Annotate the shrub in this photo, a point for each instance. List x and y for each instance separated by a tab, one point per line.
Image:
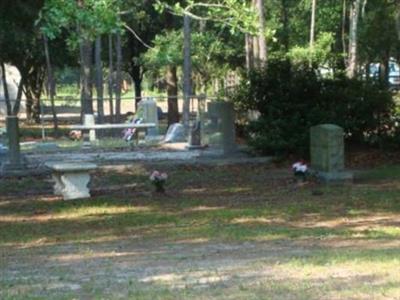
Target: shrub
291	99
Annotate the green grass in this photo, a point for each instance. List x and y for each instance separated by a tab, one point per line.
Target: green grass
341	244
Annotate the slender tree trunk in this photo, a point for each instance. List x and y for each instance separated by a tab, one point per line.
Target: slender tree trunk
384	68
137	77
344	31
50	84
312	26
285	23
187	72
398	19
33	90
118	78
262	42
256	51
110	77
99	81
5	89
353	35
172	92
86	62
249	52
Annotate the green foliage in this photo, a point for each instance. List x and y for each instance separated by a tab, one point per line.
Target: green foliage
93	18
238	15
319	54
209	53
292	98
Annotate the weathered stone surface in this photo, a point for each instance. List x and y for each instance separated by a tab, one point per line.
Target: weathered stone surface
89	120
327	148
226	113
327	152
175	134
13	78
148	111
195	135
71	179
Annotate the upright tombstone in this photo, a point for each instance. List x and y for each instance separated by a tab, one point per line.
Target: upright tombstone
147	110
227	116
327	153
89	120
175	134
196	130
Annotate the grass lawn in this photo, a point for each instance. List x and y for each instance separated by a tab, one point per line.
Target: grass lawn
237	232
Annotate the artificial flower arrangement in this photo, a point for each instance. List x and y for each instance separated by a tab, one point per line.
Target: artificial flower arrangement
300	169
159	179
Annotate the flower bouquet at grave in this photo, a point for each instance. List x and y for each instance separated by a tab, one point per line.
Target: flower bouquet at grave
300	170
159	179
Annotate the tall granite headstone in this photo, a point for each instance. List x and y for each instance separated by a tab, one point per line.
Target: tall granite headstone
147	110
327	152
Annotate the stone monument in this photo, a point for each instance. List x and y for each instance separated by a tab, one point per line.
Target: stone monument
13	78
147	110
327	153
175	134
196	133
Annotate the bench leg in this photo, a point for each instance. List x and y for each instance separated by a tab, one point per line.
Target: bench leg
75	185
58	184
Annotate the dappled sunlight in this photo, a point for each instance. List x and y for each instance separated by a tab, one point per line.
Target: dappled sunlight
74	213
257	220
194	190
90	254
193	241
204	208
183	279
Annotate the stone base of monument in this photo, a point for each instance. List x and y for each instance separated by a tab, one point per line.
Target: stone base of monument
336	177
71	179
46	146
196	147
8	168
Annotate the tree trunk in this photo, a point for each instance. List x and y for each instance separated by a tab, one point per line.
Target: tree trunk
50	84
118	78
262	42
285	23
398	19
384	69
172	91
33	91
249	52
256	51
353	34
312	26
344	31
99	81
137	77
187	72
86	63
5	89
110	77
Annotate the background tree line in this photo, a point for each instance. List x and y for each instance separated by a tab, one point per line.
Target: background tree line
144	39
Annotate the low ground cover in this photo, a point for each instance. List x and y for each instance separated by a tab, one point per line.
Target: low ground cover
228	232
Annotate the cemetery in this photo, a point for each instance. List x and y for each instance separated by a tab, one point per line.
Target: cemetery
144	154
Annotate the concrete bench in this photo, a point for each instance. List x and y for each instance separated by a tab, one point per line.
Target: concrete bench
93	127
71	179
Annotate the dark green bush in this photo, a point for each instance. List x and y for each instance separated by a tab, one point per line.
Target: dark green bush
292	99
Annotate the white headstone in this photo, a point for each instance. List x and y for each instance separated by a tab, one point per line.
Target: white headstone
147	110
175	134
13	78
89	120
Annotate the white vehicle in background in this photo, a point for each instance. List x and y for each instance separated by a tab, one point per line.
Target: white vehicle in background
394	73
